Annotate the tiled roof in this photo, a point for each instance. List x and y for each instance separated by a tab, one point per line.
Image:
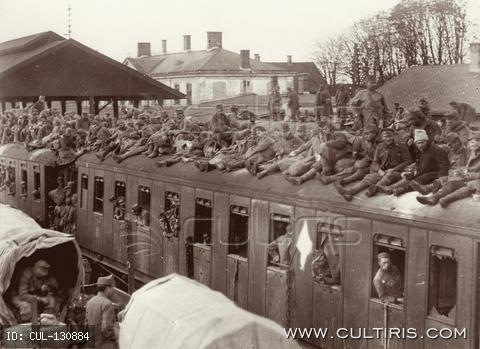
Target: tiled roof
439	85
217	60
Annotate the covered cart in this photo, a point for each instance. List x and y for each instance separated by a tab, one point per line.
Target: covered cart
22	243
177	312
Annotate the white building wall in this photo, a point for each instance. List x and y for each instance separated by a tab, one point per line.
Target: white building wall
205	88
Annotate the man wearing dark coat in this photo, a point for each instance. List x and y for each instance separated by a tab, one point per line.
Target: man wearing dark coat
100	313
388	280
323	102
293	103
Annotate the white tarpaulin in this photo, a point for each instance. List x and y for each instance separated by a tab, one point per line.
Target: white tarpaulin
21	236
175	312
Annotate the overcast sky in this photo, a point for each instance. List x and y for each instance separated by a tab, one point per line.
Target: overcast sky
272	28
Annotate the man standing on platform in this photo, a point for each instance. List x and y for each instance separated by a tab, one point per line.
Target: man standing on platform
100	313
293	104
371	104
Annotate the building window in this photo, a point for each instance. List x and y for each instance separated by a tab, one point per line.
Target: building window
326	263
442	291
238	231
98	195
388	268
203	222
144	204
280	240
177	87
119	201
170	218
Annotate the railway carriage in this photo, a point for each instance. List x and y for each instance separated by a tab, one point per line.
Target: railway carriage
31	175
216	227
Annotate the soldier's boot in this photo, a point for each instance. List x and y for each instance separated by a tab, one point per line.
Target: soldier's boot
356	176
149	150
154	153
327	169
444	191
402	190
458	194
350	192
424	189
325	179
234	164
170	162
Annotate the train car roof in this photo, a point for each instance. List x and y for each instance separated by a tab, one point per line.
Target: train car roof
18	151
457	217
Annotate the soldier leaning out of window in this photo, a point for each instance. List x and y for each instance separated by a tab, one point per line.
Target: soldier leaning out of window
388	280
280	251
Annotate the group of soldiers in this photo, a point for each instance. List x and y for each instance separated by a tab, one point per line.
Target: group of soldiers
393	153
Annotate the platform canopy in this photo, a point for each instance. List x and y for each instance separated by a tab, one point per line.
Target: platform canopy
49	65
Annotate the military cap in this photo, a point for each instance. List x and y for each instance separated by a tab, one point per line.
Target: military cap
106	280
260	128
420	135
384	255
233	107
285	127
386	129
42	264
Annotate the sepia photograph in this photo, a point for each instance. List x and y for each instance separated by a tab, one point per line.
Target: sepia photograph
252	174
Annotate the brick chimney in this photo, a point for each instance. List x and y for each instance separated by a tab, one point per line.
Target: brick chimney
214	39
245	59
475	57
187	42
257	57
289	59
143	49
164	46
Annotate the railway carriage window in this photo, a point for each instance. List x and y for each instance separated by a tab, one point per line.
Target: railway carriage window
119	201
177	87
203	222
326	263
238	231
98	195
24	182
84	191
144	204
280	249
388	268
11	179
36	183
170	218
442	291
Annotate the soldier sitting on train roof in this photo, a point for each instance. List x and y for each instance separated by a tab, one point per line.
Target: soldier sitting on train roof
301	132
363	150
460	182
465	111
139	147
282	249
431	163
389	160
261	152
388	280
220	125
283	147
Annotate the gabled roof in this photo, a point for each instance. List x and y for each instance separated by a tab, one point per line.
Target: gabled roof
54	66
216	60
28	42
438	84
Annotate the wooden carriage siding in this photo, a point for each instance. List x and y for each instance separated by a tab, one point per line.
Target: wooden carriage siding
291	298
